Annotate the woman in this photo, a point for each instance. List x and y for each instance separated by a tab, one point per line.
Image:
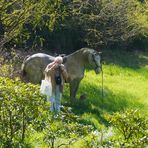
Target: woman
56	74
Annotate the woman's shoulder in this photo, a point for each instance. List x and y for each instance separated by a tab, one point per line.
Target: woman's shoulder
62	66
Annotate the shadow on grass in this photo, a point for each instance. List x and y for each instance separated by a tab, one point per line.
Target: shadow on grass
97	105
129	59
125	59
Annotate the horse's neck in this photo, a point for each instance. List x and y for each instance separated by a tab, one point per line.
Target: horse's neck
80	57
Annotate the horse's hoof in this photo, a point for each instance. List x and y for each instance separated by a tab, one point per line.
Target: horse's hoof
83	97
73	101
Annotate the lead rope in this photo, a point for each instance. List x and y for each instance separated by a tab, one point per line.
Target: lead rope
102	81
102	91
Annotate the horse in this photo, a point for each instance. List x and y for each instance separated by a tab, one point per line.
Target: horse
33	67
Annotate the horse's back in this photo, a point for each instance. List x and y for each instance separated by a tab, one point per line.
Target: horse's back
33	67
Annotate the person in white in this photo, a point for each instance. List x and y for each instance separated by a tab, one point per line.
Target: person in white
56	75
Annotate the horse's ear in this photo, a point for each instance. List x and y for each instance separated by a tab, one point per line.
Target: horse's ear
64	59
98	50
62	55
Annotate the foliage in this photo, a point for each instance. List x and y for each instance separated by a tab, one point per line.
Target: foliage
112	22
10	64
67	24
22	18
66	125
131	128
21	105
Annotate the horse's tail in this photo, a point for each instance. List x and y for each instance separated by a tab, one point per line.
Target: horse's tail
23	72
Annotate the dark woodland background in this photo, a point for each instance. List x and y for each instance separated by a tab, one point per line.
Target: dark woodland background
63	26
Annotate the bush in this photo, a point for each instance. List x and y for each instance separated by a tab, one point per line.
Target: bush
65	126
131	128
21	105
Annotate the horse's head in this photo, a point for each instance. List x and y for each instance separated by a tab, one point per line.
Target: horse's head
95	61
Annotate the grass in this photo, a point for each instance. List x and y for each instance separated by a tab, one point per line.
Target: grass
125	86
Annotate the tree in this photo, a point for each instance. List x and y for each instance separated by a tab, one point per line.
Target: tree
71	24
23	20
111	22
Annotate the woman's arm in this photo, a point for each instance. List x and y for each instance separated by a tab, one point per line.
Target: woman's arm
64	72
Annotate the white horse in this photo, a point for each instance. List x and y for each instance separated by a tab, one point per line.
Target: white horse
33	67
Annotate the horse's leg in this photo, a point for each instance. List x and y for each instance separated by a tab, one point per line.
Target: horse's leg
74	85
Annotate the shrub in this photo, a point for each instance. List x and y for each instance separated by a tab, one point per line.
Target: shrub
65	126
131	128
21	105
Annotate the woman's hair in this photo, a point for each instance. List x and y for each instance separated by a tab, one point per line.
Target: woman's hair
59	60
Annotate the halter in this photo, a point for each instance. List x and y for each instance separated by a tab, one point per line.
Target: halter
96	65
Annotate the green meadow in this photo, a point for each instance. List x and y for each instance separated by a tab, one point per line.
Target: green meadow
125	86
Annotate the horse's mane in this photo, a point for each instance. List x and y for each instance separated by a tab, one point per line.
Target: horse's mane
80	51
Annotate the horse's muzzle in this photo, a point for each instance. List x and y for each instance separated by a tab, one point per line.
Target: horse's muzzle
98	70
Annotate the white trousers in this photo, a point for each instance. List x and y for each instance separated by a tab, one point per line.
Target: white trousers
55	100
